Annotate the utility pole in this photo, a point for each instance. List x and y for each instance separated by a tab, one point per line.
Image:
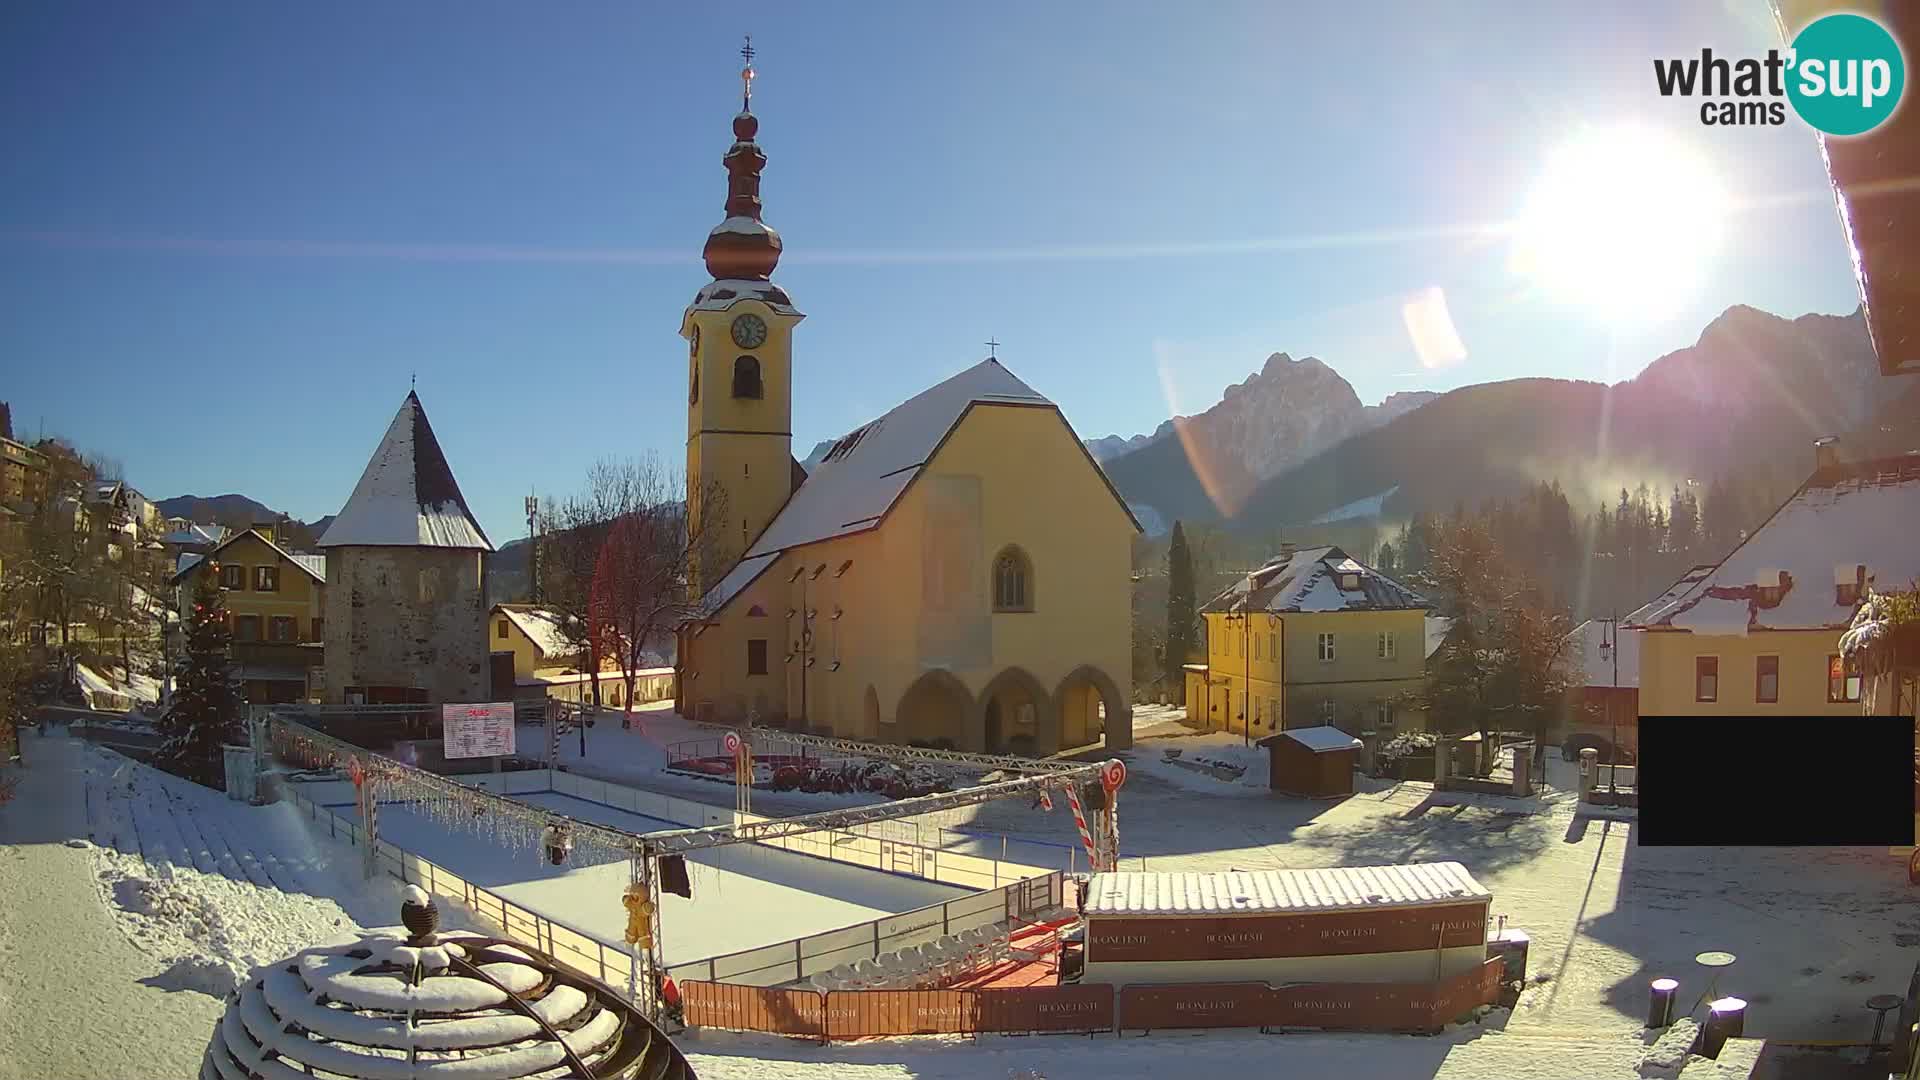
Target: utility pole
533	548
1610	647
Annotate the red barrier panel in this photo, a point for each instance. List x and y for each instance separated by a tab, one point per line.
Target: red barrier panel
753	1008
1046	1008
1332	1006
858	1014
1117	939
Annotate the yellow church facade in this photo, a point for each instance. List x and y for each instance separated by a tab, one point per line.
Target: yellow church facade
954	573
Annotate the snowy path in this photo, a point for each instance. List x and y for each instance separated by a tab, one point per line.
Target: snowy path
72	998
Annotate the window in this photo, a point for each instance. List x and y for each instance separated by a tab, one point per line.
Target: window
1706	678
1384	647
246	628
1273	646
1766	679
693	380
1326	648
1349	582
1843	681
1256	647
757	656
746	377
499	630
1383	717
319	628
1012	581
266	579
282	628
233	576
1273	711
1327	711
1256	710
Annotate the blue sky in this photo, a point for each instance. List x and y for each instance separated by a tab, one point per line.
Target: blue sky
229	233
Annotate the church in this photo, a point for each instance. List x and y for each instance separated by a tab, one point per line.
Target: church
955	573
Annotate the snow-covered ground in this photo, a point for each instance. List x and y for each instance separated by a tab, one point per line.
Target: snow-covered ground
94	934
743	896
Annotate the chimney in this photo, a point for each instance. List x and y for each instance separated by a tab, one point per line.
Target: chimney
1826	452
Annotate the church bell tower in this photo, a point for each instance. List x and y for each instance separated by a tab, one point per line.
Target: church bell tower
739	332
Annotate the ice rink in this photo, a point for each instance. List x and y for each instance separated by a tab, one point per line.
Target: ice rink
744	895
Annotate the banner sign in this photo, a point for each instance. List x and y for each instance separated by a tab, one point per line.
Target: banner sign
472	731
1250	937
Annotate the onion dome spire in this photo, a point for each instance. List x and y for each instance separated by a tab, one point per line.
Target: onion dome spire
742	246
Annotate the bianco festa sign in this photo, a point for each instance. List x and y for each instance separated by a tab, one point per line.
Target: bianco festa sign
484	730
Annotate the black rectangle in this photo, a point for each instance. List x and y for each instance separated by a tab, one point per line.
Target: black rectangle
1776	781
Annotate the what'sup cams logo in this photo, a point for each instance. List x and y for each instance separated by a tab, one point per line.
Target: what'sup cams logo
1843	75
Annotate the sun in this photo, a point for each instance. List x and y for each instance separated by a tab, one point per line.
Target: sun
1625	222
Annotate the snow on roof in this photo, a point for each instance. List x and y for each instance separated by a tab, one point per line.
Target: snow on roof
407	497
543	627
723	293
314	565
1862	514
744	226
1308	581
197	534
1437	627
1137	893
1320	740
855	485
742	575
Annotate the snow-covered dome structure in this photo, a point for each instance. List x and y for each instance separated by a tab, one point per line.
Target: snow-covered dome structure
458	1005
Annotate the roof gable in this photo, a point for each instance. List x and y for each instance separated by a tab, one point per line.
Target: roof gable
1783	576
314	566
407	497
540	626
1308	582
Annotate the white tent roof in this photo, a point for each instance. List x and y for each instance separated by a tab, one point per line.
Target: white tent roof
407	497
1139	893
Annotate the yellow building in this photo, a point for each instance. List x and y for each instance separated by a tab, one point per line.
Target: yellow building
546	663
1311	638
955	572
1760	634
274	601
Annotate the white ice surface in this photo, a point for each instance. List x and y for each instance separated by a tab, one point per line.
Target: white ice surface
744	896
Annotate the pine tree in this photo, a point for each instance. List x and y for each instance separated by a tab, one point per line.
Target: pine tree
207	698
1385	558
1180	605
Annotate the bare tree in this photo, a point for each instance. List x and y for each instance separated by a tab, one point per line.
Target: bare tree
641	575
616	564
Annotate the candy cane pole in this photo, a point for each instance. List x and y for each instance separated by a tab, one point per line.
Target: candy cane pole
1080	823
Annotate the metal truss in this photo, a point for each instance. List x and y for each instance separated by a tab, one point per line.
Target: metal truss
680	840
760	736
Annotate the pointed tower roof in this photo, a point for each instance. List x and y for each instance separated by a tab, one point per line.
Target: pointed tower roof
743	250
407	497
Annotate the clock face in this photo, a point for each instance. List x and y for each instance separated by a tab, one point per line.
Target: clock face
749	332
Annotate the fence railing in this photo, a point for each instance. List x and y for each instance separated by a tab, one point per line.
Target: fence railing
1094	1007
802	958
767	965
570	945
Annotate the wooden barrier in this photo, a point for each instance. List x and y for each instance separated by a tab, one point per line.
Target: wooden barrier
754	1008
1330	1006
1045	1009
858	1014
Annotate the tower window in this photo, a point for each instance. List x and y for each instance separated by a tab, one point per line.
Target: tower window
693	382
746	377
1012	581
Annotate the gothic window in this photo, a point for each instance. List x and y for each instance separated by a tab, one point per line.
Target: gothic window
693	381
1012	581
746	377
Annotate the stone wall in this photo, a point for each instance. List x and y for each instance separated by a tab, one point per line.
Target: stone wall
400	616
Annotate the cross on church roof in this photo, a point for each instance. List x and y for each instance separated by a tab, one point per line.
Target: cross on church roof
992	346
746	76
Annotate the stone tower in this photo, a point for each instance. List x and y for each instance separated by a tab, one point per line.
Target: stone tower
406	608
739	331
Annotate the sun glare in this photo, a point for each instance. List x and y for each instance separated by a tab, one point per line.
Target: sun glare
1625	222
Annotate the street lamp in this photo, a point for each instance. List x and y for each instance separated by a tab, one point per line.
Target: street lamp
1610	650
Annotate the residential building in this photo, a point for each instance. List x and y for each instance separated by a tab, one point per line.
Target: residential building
1606	662
275	602
184	536
406	617
1759	633
1313	637
955	572
23	473
547	663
